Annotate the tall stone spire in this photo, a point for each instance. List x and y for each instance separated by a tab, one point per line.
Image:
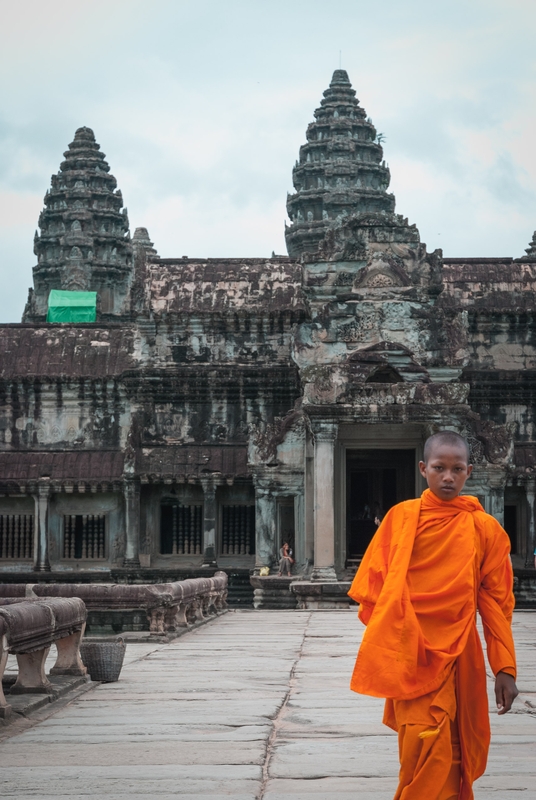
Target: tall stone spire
530	250
340	170
84	244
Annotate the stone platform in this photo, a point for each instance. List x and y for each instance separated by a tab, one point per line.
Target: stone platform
255	705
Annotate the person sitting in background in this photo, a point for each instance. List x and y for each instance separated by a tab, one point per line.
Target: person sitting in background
285	560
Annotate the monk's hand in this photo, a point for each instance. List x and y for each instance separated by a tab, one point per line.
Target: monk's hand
505	691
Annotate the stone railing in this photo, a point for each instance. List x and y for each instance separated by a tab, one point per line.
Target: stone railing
169	607
28	628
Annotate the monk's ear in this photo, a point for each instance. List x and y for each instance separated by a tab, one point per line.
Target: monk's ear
422	468
469	469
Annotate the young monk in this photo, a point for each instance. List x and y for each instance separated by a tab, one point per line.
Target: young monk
431	564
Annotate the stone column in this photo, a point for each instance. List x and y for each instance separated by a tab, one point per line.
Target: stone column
41	562
497	503
131	490
209	522
265	528
325	435
309	503
531	538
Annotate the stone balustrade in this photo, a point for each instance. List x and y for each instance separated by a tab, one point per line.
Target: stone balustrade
28	628
169	607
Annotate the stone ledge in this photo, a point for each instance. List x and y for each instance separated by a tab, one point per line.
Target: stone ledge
320	595
23	705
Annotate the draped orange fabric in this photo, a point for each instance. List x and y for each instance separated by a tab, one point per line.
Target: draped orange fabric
431	564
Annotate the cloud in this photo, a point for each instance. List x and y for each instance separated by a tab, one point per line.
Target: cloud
201	108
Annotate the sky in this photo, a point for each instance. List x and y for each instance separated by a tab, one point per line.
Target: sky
201	107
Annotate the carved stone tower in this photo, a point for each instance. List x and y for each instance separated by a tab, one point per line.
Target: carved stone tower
340	170
530	250
85	242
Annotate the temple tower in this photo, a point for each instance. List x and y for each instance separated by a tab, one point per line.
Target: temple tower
84	244
340	170
530	250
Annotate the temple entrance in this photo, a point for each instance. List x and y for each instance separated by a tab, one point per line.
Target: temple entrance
376	480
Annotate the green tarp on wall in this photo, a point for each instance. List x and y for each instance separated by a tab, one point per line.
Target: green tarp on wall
72	306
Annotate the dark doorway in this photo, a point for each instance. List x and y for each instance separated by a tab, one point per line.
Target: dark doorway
510	526
376	480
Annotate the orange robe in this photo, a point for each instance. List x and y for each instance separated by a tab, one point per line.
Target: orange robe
431	564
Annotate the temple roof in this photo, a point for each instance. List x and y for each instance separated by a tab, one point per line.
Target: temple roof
340	169
73	350
222	285
81	465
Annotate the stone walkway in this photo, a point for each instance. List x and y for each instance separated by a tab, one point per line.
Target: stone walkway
253	706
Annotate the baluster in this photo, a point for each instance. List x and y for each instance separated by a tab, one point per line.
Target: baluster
180	548
102	535
21	548
192	548
198	529
72	536
10	536
84	535
243	510
174	529
17	542
188	536
246	530
3	535
197	542
89	542
25	535
91	545
235	531
67	536
187	526
93	535
31	537
224	530
251	530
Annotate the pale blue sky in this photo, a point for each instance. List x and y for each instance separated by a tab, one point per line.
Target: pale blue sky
201	108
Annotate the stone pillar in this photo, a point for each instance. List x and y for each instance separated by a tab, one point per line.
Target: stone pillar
325	435
531	538
41	562
309	503
497	503
131	490
265	528
209	522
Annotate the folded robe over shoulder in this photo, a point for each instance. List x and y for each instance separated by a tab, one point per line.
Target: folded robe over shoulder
431	564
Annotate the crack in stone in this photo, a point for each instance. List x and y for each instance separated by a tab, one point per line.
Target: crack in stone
276	722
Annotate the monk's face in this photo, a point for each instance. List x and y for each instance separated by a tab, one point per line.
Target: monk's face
446	470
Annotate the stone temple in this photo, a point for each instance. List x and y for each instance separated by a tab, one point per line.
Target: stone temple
218	407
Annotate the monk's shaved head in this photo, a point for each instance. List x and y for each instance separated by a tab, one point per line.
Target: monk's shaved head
445	438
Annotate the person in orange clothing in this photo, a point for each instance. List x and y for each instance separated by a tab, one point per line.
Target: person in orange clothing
431	565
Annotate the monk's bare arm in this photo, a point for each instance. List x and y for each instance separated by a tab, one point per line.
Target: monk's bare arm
505	691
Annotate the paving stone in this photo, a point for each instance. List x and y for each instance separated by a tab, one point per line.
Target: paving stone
195	719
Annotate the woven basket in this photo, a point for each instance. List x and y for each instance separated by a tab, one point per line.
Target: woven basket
103	659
